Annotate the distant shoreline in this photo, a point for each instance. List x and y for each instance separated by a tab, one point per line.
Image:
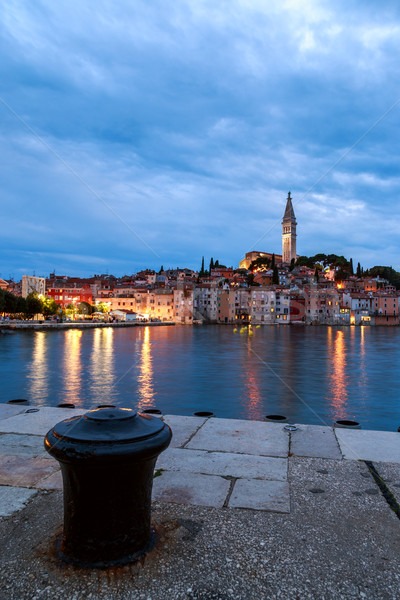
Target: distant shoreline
12	326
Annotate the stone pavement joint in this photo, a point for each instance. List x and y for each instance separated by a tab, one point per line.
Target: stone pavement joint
13	499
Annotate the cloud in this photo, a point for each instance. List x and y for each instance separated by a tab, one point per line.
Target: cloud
191	122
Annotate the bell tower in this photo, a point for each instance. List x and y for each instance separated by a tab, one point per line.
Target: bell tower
289	232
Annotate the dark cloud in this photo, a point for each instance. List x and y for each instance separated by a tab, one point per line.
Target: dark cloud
182	127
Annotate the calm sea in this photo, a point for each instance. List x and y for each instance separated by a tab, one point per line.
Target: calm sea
310	374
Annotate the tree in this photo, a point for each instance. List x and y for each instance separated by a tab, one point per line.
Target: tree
211	264
275	275
202	272
291	266
358	270
8	302
84	308
316	274
250	280
341	275
49	307
34	305
273	261
261	263
161	269
351	267
102	307
386	273
20	307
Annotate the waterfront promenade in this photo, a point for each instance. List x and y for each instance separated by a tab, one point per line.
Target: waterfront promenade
9	326
242	509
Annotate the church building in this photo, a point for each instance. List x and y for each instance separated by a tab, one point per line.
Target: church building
288	233
288	241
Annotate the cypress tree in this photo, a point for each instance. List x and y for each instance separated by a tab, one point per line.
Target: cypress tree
316	275
201	273
275	276
351	267
358	270
211	264
273	262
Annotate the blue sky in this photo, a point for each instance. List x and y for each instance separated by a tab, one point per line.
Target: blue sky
141	133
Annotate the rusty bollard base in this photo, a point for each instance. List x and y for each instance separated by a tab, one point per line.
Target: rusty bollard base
107	459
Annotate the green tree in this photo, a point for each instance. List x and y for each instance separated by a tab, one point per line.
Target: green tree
102	307
351	267
273	261
34	305
386	273
341	275
261	263
358	273
275	275
202	272
20	307
250	280
49	307
291	266
316	274
211	264
8	302
84	308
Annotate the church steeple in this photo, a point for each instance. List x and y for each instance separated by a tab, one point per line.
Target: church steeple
289	232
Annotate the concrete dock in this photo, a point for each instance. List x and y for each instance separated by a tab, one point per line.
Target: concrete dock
241	509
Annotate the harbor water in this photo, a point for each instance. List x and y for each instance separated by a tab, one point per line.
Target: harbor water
309	374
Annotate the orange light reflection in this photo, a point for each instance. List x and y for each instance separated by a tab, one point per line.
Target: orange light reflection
145	377
38	370
72	367
338	378
254	403
102	364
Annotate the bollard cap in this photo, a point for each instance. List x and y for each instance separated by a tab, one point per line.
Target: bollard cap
109	433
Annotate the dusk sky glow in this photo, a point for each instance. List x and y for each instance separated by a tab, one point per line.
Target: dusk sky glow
140	134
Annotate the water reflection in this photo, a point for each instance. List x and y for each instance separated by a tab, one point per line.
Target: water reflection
145	377
251	380
362	381
337	376
102	368
38	371
72	367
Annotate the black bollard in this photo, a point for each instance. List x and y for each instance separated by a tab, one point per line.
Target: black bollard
276	418
107	459
347	424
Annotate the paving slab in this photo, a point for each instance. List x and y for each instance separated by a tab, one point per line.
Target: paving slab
53	482
191	488
380	446
182	428
272	496
242	437
223	463
22	445
38	423
10	410
25	472
315	441
13	499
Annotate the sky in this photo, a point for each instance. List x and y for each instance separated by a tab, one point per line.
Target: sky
145	134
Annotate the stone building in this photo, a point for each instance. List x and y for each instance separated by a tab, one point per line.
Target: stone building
289	233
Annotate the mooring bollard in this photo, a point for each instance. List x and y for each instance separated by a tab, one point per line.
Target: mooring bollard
347	424
275	418
107	459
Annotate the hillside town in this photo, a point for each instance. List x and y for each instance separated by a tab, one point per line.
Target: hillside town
264	289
